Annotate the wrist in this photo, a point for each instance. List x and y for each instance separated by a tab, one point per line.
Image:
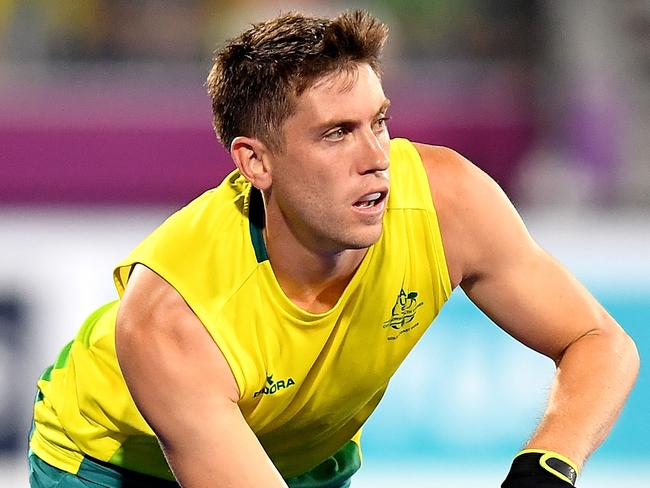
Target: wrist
541	468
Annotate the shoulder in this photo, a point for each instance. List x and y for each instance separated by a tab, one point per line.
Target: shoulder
451	176
156	328
473	211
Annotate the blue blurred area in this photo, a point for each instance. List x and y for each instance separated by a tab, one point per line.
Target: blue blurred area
469	391
630	439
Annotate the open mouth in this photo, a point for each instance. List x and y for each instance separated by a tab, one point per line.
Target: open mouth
370	200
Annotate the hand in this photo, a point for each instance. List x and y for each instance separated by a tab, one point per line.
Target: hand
536	468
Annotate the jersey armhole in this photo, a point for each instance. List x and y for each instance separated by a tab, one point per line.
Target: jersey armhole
123	272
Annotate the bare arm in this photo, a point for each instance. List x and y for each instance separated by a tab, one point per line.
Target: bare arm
184	388
535	300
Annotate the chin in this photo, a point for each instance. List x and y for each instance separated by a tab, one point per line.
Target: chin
366	239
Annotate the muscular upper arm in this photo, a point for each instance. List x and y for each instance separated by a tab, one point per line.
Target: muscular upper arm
502	270
183	386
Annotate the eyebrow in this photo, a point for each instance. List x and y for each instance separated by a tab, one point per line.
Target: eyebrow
384	106
347	122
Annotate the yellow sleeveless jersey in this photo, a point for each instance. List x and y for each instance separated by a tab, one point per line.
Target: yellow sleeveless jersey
307	381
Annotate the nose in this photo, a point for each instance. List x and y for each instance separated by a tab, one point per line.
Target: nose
376	152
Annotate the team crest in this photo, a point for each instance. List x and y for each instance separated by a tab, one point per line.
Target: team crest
403	312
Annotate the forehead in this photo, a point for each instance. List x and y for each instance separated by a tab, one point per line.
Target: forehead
343	94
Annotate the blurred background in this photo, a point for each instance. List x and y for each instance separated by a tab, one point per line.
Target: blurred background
105	129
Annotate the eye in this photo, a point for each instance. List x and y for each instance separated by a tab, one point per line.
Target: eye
335	135
381	123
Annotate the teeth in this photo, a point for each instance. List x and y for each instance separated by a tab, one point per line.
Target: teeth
372	196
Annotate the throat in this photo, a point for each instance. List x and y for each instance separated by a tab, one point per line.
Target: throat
312	283
318	302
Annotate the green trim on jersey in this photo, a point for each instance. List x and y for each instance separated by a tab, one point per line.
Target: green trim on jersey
256	225
334	472
83	337
140	453
89	325
60	363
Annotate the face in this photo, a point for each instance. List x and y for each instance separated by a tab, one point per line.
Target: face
330	185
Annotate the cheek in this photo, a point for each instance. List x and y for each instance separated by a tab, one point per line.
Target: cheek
298	187
312	172
314	177
384	139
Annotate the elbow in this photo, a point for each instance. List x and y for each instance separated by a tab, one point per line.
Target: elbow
613	346
624	354
631	356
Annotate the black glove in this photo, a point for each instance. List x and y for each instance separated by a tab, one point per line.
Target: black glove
536	468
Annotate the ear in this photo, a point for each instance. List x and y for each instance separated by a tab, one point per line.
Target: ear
252	159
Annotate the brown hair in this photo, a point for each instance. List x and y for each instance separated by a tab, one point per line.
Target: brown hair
257	76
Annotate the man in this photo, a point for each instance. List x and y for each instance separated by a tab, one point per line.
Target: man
258	327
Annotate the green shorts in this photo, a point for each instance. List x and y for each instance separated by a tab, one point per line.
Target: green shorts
334	472
92	473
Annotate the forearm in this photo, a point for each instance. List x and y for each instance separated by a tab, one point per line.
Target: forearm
594	377
221	452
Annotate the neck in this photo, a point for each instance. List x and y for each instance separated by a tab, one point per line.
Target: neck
312	279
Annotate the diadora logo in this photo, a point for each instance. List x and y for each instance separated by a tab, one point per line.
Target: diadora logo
403	313
272	387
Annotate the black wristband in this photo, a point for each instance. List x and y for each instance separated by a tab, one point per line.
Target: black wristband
539	469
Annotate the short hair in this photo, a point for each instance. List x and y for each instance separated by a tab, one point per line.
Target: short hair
257	77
